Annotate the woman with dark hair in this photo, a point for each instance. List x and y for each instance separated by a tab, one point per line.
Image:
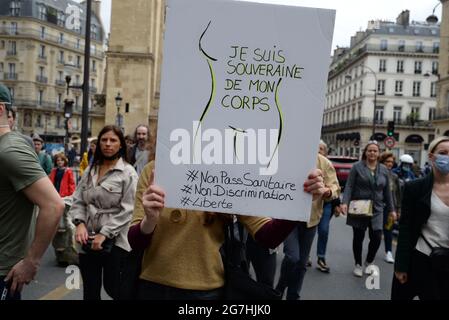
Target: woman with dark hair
102	209
387	159
62	177
424	229
368	185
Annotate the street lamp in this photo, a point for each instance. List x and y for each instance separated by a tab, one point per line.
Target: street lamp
375	96
119	117
68	109
433	19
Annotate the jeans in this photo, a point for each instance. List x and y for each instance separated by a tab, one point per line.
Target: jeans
293	269
148	290
113	267
263	262
388	234
375	238
5	294
323	230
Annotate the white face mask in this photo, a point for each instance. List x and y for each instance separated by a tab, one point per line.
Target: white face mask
442	163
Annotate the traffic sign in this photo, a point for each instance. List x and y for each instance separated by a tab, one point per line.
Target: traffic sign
389	142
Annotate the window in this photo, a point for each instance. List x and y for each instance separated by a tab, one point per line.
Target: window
77	100
342	115
381	87
77	80
416	88
61	38
349	93
1	67
382	65
77	46
436	47
42	12
347	113
432	114
398	87
39	121
61	19
383	45
355	90
40	97
418	67
58	122
59	101
92	83
12	68
60	76
344	95
12	48
359	111
93	31
361	88
397	114
419	46
41	71
11	91
42	32
94	65
401	46
14	8
379	118
415	110
78	61
14	28
435	67
400	66
42	51
61	57
433	89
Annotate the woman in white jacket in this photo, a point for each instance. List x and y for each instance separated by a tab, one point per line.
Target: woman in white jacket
102	210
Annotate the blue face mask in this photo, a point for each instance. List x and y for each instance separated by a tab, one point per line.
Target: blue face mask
406	168
442	163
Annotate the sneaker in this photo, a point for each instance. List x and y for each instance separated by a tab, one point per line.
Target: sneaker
389	257
322	266
369	267
358	271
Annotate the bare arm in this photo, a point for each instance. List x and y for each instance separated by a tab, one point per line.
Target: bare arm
51	207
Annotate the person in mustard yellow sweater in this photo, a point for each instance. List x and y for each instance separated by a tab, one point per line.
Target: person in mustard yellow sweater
181	258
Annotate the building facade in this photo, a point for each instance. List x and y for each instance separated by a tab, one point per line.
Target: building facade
41	42
134	63
389	73
441	121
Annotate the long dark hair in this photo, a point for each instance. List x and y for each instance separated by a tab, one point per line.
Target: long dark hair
98	156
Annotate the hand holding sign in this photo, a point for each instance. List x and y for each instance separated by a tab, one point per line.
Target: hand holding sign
153	201
315	184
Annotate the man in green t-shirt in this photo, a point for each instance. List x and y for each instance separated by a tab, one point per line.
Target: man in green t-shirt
23	184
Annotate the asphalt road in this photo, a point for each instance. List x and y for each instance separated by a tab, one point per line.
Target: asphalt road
339	284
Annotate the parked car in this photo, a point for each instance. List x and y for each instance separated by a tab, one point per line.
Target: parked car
342	166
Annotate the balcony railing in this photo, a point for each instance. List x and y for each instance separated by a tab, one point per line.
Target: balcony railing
10	76
60	83
363	121
42	58
441	114
36	33
11	53
378	48
41	79
92	89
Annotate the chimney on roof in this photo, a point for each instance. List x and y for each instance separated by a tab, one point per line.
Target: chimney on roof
403	18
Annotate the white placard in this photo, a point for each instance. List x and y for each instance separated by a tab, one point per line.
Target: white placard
242	98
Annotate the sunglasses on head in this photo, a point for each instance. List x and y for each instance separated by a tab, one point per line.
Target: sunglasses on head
373	142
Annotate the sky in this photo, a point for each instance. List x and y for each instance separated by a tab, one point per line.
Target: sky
352	15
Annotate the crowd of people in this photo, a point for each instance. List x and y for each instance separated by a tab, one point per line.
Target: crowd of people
136	248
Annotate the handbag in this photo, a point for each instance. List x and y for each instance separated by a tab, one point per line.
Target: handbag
361	208
238	282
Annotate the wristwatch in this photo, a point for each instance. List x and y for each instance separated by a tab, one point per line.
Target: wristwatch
77	222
